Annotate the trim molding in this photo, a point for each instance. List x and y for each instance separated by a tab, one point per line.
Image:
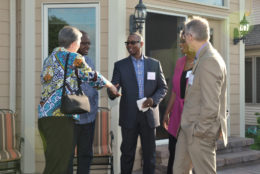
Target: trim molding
242	75
28	107
116	50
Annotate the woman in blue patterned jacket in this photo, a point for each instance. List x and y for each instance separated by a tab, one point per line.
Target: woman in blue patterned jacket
56	129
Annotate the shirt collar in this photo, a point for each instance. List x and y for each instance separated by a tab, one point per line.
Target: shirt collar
198	52
134	59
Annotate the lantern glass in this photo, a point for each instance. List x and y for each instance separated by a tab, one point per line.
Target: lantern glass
244	25
144	13
139	15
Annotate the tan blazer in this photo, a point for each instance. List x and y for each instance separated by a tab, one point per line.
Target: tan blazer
204	112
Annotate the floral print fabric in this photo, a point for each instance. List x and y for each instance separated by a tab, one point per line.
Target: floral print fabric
52	80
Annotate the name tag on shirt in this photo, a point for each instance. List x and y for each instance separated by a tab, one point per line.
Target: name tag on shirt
190	80
150	75
188	74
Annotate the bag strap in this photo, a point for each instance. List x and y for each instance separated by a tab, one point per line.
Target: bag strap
65	75
79	81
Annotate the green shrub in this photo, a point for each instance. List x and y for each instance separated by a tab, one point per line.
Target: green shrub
256	134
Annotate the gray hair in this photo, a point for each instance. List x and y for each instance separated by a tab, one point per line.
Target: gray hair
67	35
198	27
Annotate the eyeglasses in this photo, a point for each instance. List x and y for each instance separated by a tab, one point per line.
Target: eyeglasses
131	42
85	43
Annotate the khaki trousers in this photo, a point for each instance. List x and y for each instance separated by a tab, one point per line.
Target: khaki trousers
200	154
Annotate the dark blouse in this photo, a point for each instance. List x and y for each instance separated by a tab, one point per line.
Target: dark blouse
183	83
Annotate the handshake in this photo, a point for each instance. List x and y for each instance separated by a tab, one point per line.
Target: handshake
112	91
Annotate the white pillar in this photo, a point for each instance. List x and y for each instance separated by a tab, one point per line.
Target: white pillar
116	50
226	44
242	76
28	85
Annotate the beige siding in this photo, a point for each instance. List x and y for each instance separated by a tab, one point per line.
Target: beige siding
4	57
256	12
18	65
251	110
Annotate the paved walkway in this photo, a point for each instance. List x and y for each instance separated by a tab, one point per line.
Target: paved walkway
247	169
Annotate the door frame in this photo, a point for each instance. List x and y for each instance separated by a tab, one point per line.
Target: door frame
225	42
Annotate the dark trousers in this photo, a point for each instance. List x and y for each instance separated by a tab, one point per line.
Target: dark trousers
83	138
172	146
129	142
57	137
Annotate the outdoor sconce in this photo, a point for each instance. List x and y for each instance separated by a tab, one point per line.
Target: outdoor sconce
242	32
138	19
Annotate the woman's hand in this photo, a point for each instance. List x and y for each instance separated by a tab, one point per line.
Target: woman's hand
166	121
113	90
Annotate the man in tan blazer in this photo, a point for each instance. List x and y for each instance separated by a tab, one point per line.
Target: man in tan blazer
204	114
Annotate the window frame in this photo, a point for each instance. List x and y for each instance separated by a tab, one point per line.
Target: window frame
225	6
254	79
45	32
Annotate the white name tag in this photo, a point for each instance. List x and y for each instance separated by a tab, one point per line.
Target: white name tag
190	80
150	75
188	74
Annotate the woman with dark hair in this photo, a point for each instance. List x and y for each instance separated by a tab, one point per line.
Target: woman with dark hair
172	116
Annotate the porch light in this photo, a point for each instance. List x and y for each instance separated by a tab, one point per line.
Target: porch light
138	19
242	32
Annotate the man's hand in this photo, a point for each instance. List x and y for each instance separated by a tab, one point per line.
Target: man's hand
166	121
148	103
113	90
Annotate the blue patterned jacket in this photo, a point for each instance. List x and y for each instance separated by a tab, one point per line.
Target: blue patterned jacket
52	80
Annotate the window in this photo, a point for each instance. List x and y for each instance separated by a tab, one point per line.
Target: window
220	3
82	16
258	80
252	80
248	80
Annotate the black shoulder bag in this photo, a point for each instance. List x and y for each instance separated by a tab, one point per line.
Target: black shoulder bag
77	103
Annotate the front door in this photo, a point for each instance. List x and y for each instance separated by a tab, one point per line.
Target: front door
162	43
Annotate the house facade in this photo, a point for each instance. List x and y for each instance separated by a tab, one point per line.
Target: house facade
252	66
27	38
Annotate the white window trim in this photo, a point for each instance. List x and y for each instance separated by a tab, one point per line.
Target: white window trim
226	4
45	33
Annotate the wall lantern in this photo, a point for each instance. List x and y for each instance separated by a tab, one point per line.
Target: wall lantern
138	19
242	32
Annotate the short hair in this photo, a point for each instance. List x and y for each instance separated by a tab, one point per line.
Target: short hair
198	27
83	32
67	35
140	37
